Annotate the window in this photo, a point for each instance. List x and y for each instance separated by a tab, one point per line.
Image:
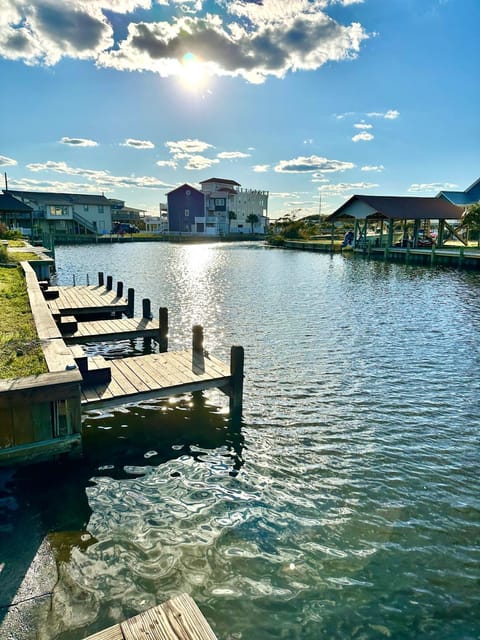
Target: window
58	210
85	207
220	201
100	208
187	192
187	213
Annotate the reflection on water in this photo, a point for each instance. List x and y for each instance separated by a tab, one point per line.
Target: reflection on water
346	503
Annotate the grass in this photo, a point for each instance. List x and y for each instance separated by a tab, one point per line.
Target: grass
20	352
16	243
18	256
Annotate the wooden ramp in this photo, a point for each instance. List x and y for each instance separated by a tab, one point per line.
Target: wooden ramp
86	300
158	375
121	329
177	619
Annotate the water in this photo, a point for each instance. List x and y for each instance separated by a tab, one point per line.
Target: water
346	505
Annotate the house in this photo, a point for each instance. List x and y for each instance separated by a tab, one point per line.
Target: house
471	195
220	208
121	213
388	220
64	214
15	214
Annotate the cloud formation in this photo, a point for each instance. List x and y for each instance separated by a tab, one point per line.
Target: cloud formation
373	167
364	136
184	148
232	155
103	180
346	187
261	168
431	187
252	40
391	114
4	161
138	144
312	163
79	142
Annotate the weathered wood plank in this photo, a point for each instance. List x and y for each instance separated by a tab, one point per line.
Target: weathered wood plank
178	619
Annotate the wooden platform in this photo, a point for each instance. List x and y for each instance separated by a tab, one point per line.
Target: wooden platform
158	375
86	300
177	619
121	329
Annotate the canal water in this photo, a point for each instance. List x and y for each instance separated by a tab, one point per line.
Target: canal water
347	502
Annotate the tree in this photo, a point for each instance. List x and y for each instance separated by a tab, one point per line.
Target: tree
231	216
471	219
252	219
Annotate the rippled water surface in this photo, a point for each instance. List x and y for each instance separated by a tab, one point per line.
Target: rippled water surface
345	505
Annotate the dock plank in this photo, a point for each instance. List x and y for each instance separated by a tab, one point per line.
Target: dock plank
115	329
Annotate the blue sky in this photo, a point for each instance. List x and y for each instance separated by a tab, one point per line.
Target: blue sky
312	100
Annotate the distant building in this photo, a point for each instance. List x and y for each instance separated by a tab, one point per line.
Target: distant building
67	213
15	214
221	207
471	195
124	214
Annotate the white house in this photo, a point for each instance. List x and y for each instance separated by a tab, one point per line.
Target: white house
67	213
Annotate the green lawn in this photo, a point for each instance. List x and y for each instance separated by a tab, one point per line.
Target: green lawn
20	352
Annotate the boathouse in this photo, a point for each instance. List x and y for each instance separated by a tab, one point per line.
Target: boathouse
399	221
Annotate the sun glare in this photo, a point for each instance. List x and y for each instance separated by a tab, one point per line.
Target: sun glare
192	72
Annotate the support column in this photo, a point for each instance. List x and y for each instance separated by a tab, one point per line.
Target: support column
237	358
131	302
197	338
163	329
100	279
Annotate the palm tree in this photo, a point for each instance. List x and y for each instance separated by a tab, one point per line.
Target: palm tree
231	216
252	218
471	219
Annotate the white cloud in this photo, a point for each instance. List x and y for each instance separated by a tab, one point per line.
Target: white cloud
346	187
261	168
4	161
318	177
431	187
196	163
363	125
79	142
391	114
364	136
167	163
373	167
308	141
184	148
101	178
312	163
138	144
232	155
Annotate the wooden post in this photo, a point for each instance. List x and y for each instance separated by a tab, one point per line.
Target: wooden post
236	371
432	256
88	280
197	338
163	329
119	289
100	278
109	283
146	309
74	283
131	302
460	256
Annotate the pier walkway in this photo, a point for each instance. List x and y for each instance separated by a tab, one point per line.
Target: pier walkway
158	375
85	300
105	330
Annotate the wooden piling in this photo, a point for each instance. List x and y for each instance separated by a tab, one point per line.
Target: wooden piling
109	283
131	302
119	289
197	338
163	329
100	279
237	357
146	308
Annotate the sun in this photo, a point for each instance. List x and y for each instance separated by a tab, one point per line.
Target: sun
192	71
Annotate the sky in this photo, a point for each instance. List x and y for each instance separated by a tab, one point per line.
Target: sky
310	100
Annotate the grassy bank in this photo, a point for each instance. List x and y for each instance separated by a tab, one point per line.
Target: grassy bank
20	352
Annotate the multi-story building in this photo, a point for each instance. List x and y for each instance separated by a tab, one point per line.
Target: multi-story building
221	208
67	213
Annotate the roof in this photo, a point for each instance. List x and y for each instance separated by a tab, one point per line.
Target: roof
403	208
460	198
220	180
182	186
61	198
9	204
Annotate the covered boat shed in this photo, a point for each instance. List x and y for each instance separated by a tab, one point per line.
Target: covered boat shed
387	221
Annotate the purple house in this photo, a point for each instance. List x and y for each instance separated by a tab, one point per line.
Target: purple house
184	204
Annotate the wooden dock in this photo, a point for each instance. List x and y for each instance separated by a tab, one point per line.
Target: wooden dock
44	413
86	301
177	619
158	375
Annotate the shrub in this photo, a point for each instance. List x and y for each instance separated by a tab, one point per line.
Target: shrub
8	234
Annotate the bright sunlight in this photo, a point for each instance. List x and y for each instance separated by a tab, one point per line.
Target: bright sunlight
192	71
